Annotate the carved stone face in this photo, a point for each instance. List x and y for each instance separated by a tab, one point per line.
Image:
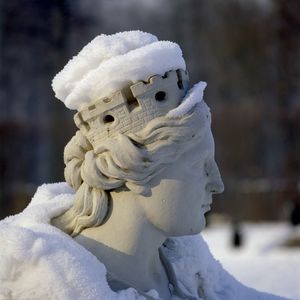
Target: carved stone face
182	193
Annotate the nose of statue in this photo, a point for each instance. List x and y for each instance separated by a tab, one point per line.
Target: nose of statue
215	184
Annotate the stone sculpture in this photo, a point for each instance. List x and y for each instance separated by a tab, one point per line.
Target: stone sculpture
142	174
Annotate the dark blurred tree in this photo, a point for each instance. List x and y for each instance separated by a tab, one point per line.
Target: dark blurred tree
32	43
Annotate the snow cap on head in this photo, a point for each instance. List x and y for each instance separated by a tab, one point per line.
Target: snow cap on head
111	62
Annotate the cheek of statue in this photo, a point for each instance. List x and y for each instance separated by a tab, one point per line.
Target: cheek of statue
182	193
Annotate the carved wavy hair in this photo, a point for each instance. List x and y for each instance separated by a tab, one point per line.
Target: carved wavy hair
123	161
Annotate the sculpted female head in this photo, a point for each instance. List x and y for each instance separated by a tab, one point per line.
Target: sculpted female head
148	140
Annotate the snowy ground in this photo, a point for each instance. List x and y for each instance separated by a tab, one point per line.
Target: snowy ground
263	262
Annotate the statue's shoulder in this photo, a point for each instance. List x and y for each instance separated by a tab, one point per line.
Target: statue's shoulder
39	261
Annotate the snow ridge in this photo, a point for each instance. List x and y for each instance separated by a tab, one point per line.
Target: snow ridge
109	63
194	96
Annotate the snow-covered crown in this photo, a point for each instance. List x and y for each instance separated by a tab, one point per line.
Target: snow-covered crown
130	109
111	62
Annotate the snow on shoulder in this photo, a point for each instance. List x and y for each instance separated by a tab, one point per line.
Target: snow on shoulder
109	63
38	261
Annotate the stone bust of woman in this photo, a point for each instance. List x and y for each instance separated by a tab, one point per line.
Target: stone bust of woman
137	187
140	175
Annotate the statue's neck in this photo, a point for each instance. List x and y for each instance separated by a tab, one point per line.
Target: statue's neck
128	245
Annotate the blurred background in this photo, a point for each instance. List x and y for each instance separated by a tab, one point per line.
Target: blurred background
247	50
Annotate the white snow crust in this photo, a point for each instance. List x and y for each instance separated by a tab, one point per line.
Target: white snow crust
109	63
38	261
193	97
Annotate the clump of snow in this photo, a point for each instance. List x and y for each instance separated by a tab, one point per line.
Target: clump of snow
109	63
101	48
38	261
194	96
